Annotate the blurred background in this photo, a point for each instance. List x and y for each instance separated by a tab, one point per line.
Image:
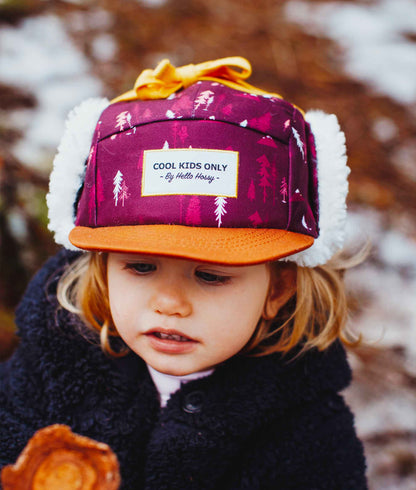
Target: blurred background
356	59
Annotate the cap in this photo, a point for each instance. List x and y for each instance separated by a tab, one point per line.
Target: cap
212	172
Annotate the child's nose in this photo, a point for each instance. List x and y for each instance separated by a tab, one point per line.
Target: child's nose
170	300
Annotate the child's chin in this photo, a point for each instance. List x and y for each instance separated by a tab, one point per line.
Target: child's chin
176	370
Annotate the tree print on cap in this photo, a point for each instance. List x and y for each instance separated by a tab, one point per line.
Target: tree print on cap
261	123
299	142
91	155
251	194
255	219
305	224
193	214
100	188
123	119
227	110
182	104
264	174
205	98
179	131
267	141
283	189
220	203
296	196
124	194
120	190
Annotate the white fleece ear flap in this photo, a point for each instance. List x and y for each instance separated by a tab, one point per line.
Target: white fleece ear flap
69	167
332	189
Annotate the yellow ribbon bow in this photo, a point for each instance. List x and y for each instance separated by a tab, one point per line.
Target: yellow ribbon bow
165	79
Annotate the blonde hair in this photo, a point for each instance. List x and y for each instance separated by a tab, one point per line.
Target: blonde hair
317	313
83	290
314	317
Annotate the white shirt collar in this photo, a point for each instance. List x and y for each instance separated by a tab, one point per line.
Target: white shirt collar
167	384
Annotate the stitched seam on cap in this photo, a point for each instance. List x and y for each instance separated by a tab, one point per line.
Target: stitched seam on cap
164	120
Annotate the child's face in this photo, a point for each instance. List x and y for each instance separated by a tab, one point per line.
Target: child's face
182	316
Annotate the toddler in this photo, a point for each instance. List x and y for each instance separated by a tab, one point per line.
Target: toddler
194	319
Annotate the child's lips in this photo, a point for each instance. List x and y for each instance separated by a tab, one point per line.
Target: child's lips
169	334
170	341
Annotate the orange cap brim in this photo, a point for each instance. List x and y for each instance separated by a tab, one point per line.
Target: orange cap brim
232	246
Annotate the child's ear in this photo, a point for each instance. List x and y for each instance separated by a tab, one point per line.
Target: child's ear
282	288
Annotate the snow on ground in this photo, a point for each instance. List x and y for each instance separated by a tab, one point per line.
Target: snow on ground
375	38
383	401
386	282
385	129
39	57
104	48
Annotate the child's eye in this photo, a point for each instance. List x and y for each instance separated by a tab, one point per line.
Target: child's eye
141	267
212	278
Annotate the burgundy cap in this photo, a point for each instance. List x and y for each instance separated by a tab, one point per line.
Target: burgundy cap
214	168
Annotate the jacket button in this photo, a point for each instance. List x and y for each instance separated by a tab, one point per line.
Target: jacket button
193	402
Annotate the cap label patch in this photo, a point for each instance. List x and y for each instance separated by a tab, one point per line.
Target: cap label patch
190	171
